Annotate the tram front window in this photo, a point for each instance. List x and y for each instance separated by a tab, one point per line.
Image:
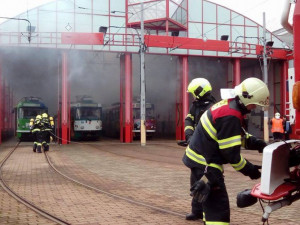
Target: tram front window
88	114
28	113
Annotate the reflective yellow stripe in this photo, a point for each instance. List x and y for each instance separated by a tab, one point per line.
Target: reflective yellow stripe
216	223
34	130
212	132
190	116
239	165
189	127
200	159
230	142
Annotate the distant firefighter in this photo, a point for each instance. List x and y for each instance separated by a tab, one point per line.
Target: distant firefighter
47	130
37	131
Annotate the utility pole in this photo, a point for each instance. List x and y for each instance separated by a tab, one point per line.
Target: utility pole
265	78
143	82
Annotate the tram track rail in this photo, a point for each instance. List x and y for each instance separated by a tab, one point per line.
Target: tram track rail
98	190
86	185
249	153
19	198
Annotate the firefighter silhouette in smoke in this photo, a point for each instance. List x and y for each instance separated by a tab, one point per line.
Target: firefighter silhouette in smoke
36	130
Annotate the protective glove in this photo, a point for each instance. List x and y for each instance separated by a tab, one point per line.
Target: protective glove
182	143
252	143
51	138
260	145
200	190
188	139
251	170
254	172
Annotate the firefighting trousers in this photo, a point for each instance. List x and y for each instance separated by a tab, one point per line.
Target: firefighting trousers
216	209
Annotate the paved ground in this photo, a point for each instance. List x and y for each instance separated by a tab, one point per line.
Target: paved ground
150	185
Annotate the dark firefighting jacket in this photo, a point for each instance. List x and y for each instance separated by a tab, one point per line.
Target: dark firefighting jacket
47	129
217	138
37	129
196	110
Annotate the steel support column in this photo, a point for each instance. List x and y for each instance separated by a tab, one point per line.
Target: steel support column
1	103
236	72
4	110
296	26
128	98
64	101
11	117
182	107
283	88
122	81
185	97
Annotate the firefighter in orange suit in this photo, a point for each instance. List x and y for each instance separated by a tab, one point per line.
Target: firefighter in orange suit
216	141
277	127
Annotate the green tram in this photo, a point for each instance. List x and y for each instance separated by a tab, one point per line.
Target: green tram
27	108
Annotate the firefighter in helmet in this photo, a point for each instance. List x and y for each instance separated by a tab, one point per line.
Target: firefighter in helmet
201	89
37	131
216	141
47	131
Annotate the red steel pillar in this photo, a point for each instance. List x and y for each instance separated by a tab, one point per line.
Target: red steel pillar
11	106
122	81
64	100
236	72
185	96
283	87
296	27
4	111
1	104
128	98
182	107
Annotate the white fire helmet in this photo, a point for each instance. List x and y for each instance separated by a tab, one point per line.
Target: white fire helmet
253	91
277	115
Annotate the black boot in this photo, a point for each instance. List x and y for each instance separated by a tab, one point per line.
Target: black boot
34	147
39	149
193	216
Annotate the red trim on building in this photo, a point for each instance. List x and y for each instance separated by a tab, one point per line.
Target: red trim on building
274	53
186	43
82	38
